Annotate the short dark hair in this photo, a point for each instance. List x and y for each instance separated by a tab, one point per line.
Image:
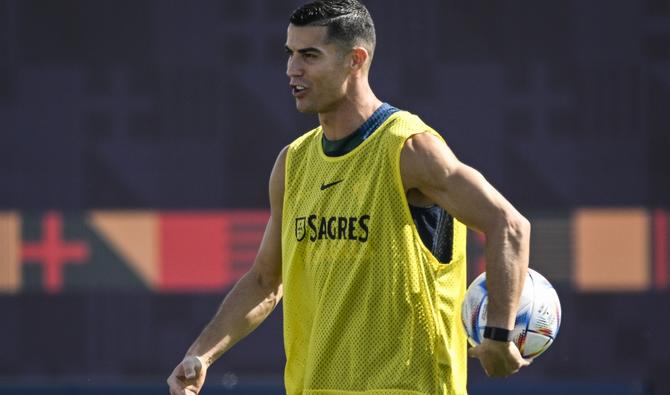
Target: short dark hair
348	21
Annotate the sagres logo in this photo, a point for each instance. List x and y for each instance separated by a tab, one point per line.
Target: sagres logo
300	228
314	227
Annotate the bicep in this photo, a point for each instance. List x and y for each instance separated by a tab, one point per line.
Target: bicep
432	168
267	265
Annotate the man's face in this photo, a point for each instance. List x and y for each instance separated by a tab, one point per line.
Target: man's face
317	70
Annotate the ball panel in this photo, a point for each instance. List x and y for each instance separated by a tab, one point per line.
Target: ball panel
545	319
535	344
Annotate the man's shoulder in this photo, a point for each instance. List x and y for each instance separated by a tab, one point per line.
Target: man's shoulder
305	139
405	124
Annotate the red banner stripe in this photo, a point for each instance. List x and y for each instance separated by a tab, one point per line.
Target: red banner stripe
660	249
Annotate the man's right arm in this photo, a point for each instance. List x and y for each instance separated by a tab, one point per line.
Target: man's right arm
250	301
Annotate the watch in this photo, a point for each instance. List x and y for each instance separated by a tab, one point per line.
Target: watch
498	334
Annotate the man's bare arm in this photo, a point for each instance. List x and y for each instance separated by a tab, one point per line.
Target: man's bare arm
430	168
246	306
257	293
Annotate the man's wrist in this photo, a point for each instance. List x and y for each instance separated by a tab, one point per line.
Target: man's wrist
497	334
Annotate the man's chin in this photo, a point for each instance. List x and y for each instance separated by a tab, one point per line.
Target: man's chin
304	109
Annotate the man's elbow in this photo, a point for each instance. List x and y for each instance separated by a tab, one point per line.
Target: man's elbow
265	278
516	227
521	227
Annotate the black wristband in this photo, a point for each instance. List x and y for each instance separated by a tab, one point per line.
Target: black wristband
498	334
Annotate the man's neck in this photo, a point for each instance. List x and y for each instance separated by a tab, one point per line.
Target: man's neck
348	116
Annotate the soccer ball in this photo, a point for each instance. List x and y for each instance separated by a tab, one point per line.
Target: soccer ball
537	319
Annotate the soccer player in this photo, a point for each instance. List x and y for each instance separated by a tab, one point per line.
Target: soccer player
366	239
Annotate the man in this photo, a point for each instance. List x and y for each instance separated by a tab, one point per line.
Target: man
366	241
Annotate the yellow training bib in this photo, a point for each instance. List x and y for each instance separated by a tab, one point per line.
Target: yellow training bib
367	308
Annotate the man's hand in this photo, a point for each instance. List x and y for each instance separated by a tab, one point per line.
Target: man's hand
188	377
499	359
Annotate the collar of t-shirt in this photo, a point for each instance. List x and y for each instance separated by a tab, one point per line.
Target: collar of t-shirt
345	145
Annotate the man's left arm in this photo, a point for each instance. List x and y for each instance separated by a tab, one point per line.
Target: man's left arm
428	166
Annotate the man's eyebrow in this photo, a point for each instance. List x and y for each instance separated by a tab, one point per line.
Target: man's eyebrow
303	50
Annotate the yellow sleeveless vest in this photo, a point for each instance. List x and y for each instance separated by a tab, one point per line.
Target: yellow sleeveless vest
367	308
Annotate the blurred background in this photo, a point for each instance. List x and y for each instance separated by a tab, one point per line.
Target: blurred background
137	137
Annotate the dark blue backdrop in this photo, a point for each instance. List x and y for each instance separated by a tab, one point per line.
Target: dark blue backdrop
167	104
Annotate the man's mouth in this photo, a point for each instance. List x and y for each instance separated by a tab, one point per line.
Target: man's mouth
298	89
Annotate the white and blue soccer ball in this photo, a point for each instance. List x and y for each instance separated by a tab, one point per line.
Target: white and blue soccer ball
537	320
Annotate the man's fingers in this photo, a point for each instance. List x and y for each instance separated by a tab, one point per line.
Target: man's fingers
177	373
189	370
499	360
175	390
173	383
182	380
191	367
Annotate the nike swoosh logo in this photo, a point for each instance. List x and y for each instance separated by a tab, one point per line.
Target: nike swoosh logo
326	186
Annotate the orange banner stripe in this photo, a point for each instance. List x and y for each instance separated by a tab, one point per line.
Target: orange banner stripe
10	244
612	250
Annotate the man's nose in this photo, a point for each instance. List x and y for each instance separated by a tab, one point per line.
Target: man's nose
293	67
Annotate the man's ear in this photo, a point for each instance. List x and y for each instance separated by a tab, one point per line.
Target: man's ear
359	57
